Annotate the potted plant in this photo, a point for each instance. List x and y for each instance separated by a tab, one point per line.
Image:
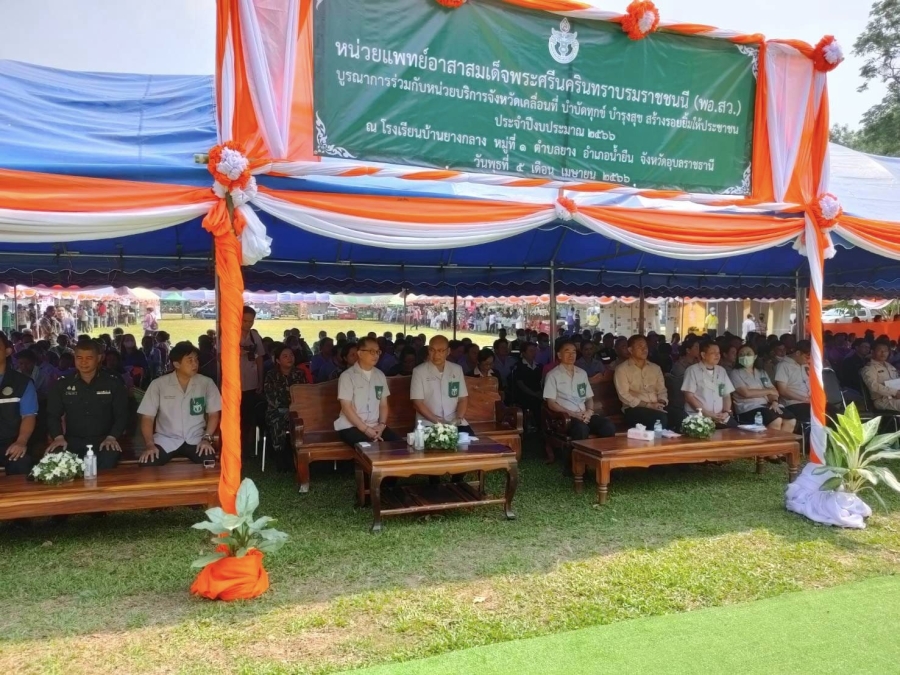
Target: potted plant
56	468
442	437
853	453
698	426
235	570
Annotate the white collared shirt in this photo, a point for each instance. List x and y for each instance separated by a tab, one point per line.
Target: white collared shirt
710	385
365	390
569	391
180	414
440	391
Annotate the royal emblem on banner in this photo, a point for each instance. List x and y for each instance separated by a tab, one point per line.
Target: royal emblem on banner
563	44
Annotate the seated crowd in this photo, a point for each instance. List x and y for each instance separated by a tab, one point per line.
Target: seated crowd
81	395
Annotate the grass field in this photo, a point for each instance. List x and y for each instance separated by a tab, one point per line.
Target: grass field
111	594
189	329
753	638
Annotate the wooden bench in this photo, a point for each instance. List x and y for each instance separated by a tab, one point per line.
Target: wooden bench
606	454
315	407
556	425
124	488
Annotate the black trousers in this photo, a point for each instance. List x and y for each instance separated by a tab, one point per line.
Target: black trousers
19	466
352	436
801	412
599	426
731	424
186	450
249	419
106	459
646	416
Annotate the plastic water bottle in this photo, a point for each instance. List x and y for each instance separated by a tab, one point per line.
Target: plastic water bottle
90	463
420	436
657	429
758	420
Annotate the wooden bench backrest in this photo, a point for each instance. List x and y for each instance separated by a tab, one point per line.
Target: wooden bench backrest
318	405
484	392
605	394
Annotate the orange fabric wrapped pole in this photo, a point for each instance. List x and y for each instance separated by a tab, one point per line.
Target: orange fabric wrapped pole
233	578
231	307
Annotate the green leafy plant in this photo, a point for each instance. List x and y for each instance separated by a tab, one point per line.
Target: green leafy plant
238	534
853	450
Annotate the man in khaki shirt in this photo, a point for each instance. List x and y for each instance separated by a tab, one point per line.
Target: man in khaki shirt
876	373
641	387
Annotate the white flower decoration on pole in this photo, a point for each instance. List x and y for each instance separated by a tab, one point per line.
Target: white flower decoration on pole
565	209
230	169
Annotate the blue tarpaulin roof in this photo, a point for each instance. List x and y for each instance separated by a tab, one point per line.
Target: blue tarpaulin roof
148	127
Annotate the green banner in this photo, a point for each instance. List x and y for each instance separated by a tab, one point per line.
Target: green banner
491	88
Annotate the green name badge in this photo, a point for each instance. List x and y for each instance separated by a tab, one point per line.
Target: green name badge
721	390
198	406
582	389
379	391
453	389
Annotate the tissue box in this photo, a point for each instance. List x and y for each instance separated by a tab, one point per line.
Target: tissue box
641	434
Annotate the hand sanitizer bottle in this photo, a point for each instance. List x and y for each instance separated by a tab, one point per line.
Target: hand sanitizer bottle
420	436
90	463
657	429
758	420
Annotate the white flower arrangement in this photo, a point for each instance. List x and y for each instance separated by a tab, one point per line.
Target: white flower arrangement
442	437
833	53
58	467
698	426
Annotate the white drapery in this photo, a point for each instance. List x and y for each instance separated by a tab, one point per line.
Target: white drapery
21	227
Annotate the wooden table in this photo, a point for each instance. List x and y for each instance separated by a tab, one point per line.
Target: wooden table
397	460
606	454
128	487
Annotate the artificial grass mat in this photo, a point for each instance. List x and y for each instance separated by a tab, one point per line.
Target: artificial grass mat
851	628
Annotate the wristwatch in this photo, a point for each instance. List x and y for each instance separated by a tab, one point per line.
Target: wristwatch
207	438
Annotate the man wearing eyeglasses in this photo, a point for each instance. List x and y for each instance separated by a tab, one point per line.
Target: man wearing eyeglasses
438	388
363	393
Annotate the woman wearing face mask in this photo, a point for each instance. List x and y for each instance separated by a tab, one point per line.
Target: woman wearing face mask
755	393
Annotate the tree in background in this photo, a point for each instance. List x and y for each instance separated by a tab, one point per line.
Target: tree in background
879	45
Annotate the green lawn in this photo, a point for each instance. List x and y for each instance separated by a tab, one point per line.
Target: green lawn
759	637
189	329
111	594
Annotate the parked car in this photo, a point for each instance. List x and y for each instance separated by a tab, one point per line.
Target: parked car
264	314
205	312
844	315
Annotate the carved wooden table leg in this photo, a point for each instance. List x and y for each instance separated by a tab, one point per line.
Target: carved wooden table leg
512	482
375	496
793	462
360	486
602	481
578	469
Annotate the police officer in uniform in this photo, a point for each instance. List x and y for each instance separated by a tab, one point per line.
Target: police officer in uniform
876	373
438	388
18	412
363	393
94	403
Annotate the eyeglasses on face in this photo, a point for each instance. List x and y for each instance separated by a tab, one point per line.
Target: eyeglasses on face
376	352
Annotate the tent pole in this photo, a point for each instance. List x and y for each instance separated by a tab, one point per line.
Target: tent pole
455	298
16	307
801	309
404	311
641	311
553	308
